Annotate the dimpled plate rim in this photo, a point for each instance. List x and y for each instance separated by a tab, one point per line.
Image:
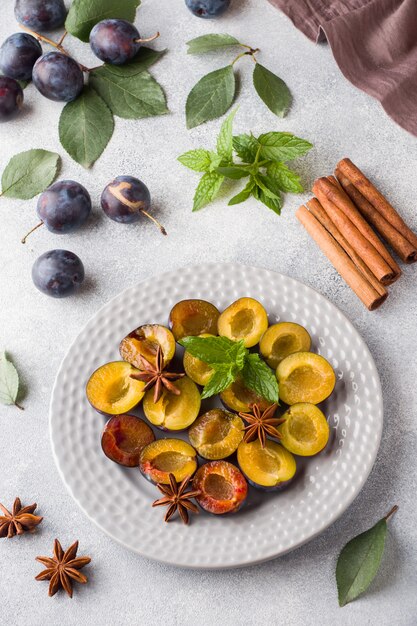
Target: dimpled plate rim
283	522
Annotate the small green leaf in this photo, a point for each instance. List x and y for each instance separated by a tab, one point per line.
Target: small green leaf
244	194
215	350
271	201
207	189
211	97
282	146
233	171
197	160
225	138
246	147
83	15
9	381
265	185
29	173
132	98
272	90
260	378
284	178
145	58
223	377
215	160
85	127
211	43
359	561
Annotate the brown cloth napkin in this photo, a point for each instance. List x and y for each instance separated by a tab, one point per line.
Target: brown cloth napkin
374	43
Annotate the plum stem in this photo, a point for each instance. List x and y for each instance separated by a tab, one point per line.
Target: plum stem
58	45
148	39
393	510
61	39
19	406
31	231
155	221
251	52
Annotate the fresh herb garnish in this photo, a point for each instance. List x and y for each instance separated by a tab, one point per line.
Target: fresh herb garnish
261	160
9	382
29	173
214	93
230	359
359	561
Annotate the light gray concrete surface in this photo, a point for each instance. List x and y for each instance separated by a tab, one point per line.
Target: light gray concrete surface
299	588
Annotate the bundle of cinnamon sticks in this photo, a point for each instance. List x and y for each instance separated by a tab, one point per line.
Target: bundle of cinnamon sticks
343	218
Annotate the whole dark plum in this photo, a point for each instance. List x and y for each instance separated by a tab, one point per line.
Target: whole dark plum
58	77
41	15
207	8
115	41
18	55
58	273
64	206
11	98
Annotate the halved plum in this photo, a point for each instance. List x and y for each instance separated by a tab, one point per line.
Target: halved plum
110	389
144	341
173	412
283	339
124	437
216	434
268	468
305	377
223	488
305	431
196	369
245	319
163	457
239	398
193	317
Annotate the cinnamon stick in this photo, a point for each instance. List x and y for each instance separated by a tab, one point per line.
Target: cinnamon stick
375	197
340	260
404	248
363	247
338	196
320	214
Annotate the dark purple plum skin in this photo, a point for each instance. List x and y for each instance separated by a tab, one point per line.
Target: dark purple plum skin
58	77
40	15
58	273
114	41
207	9
133	191
18	55
64	206
11	98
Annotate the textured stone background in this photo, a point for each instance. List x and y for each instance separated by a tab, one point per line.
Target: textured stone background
298	589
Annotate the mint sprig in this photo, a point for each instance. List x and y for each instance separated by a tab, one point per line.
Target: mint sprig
230	359
260	160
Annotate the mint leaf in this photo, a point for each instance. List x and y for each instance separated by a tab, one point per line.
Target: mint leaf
211	43
133	98
225	138
216	350
84	14
215	160
9	381
85	127
284	178
282	146
359	561
272	90
207	189
145	58
233	171
244	194
197	160
260	378
223	377
266	185
29	173
211	97
273	201
246	147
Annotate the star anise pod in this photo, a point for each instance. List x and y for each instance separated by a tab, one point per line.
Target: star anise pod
156	376
261	423
19	521
63	568
175	497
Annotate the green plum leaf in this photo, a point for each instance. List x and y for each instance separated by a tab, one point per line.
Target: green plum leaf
9	381
211	43
272	90
211	97
83	15
29	173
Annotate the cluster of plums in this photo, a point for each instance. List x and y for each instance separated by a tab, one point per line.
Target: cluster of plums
63	208
55	74
215	436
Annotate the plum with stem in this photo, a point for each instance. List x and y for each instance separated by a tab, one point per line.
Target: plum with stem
116	41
